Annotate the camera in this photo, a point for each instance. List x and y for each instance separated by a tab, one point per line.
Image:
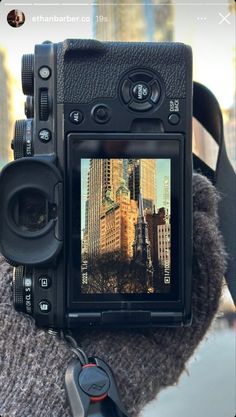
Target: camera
96	208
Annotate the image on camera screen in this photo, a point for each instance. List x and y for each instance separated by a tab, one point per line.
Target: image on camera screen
125	226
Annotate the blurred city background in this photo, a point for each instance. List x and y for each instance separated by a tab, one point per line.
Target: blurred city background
210	29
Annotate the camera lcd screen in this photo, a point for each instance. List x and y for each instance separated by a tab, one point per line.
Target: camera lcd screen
125	225
123	207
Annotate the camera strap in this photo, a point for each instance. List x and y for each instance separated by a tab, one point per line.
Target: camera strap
207	111
90	386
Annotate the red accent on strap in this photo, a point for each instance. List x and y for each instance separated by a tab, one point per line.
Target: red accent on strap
89	365
97	399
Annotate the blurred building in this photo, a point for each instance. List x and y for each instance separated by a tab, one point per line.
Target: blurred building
103	181
6	110
146	20
164	244
153	221
166	196
113	192
142	180
141	246
117	222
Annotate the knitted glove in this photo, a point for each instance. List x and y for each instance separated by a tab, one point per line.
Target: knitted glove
33	363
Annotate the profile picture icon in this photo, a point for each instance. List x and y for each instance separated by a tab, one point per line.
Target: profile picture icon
16	18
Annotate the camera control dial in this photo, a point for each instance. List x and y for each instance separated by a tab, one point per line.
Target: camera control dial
140	91
27	74
44	105
29	107
22	143
17	286
22	286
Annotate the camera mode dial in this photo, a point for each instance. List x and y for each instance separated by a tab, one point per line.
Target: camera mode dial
27	74
22	143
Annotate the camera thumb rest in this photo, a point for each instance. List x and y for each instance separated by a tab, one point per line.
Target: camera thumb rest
91	387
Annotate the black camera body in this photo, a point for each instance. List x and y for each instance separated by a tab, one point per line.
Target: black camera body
96	209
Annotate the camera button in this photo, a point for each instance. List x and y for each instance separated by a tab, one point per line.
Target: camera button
101	113
45	281
44	306
140	106
125	91
45	135
139	77
44	73
141	91
76	117
174	118
155	92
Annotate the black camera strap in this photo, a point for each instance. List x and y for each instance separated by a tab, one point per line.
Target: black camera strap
90	386
207	111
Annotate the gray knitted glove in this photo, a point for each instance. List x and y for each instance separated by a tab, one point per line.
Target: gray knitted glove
33	363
